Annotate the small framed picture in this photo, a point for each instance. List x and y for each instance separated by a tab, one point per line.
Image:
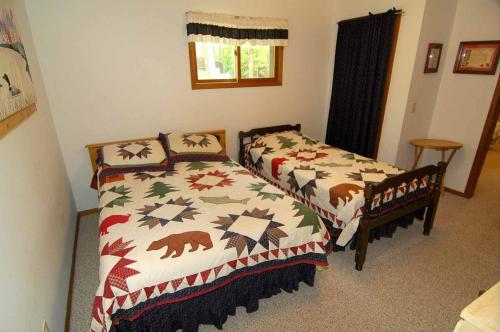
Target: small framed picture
477	57
433	57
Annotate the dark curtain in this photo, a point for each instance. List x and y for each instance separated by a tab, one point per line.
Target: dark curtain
361	60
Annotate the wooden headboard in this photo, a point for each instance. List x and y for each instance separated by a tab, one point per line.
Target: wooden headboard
256	132
92	148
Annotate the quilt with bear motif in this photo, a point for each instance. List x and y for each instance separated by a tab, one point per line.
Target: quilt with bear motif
173	235
329	180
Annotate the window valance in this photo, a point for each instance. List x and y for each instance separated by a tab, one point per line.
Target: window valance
236	30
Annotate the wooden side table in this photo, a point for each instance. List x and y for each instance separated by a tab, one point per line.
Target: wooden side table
421	144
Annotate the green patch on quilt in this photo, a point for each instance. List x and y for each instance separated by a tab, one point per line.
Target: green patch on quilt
257	187
348	156
147	176
352	156
230	163
309	217
160	189
307	140
223	200
365	161
332	164
286	143
197	166
122	199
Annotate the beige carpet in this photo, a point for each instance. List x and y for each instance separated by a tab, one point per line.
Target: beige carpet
409	283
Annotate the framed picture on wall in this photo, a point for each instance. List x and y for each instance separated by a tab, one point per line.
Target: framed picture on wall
17	94
433	57
477	57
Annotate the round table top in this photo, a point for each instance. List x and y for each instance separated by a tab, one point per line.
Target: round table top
437	144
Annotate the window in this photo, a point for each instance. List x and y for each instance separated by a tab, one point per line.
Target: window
233	51
215	61
215	65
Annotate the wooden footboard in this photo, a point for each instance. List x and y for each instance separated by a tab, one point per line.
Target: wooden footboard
391	207
408	202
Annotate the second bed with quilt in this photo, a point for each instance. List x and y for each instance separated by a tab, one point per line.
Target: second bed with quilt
344	188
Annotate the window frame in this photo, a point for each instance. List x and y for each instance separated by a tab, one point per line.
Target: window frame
237	82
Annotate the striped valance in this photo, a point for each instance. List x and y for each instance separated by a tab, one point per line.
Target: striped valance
236	30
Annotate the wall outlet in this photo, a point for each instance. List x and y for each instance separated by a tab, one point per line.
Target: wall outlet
45	326
414	107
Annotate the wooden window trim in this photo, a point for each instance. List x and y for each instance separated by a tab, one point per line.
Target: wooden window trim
238	82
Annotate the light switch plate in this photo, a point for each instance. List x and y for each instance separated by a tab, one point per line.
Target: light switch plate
414	107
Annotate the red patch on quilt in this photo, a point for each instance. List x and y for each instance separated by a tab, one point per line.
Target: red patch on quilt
232	264
275	164
149	291
205	274
162	286
134	296
97	309
176	283
244	261
217	270
112	220
113	178
191	279
117	277
121	300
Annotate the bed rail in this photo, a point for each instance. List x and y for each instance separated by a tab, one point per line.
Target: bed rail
426	182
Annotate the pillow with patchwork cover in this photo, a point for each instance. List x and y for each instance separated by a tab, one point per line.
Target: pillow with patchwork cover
137	156
192	147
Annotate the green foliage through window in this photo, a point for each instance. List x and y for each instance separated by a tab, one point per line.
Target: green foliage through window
215	61
257	61
219	61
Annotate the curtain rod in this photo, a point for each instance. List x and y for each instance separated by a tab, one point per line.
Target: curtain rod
396	11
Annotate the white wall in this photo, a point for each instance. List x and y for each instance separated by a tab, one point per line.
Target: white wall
120	69
436	28
403	66
463	100
37	215
449	106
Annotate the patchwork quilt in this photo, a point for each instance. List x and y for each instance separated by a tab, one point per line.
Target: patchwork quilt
329	180
173	235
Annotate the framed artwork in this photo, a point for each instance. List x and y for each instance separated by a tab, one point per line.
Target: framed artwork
433	57
17	94
477	57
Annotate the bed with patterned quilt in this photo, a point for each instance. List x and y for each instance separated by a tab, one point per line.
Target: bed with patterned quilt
185	245
337	184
